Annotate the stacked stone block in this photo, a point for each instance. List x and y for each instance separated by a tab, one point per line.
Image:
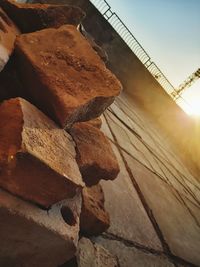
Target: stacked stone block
52	155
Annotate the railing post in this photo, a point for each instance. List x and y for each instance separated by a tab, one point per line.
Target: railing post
132	43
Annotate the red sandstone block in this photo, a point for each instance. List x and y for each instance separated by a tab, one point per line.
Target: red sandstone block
8	32
95	157
37	159
34	17
94	218
64	76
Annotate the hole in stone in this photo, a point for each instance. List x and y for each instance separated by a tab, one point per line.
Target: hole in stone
68	215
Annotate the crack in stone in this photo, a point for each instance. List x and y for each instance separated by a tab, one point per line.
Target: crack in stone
142	198
131	244
149	134
189	210
135	147
149	212
187	189
145	130
157	175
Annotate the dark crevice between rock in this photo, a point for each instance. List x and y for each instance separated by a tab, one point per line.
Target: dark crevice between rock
131	244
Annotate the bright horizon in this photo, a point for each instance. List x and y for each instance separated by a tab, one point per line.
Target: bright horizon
169	32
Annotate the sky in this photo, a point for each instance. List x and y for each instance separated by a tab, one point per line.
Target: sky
169	30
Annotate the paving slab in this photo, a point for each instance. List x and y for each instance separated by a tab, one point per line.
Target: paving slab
131	257
127	214
123	138
193	209
179	228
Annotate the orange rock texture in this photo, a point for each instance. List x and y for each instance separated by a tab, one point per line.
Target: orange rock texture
95	157
64	76
37	159
94	218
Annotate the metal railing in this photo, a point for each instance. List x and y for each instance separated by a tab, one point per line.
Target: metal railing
105	9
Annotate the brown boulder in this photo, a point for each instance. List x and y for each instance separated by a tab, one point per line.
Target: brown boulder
94	218
37	159
8	32
95	157
34	17
64	76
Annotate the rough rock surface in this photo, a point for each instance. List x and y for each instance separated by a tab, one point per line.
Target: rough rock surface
92	255
37	159
64	76
34	17
95	157
8	32
33	237
94	218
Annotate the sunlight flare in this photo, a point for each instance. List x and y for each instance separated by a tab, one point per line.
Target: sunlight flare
190	101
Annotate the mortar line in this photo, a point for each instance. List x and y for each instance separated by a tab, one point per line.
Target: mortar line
142	198
131	244
151	150
167	182
183	185
166	248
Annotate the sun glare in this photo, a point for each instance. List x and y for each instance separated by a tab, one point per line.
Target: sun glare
194	108
190	101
